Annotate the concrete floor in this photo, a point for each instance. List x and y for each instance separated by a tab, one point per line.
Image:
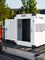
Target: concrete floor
6	57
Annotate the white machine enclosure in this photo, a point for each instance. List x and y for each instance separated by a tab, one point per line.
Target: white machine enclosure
18	29
37	30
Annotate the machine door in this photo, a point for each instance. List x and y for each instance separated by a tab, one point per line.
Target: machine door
10	30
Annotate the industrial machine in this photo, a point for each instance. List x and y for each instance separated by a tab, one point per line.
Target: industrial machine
28	32
26	29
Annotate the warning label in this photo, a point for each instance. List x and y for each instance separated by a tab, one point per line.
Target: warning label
39	27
